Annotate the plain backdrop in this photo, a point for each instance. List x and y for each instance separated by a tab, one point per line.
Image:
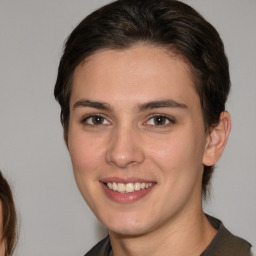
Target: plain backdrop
54	219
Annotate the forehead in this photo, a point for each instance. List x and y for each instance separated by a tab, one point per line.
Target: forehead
140	72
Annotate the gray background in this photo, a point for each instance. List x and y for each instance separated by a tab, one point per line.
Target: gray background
54	220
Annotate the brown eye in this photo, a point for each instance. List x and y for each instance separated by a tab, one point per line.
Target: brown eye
159	120
96	120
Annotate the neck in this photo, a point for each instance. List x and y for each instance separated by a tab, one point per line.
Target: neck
186	235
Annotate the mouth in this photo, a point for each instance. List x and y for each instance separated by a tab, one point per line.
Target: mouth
128	187
126	191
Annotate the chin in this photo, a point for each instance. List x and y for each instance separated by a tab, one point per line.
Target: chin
127	225
128	230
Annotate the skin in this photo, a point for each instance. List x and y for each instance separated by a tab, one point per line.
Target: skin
128	143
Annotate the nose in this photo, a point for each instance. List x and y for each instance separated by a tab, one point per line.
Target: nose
125	148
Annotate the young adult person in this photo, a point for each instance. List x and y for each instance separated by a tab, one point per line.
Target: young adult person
7	219
142	86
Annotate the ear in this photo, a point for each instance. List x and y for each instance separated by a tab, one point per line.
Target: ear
216	140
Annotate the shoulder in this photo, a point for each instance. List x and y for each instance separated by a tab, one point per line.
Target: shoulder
102	248
225	243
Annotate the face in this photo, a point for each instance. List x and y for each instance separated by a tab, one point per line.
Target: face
136	138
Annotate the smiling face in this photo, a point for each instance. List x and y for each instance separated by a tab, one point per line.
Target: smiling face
137	138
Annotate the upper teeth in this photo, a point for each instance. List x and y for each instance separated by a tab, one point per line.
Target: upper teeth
129	187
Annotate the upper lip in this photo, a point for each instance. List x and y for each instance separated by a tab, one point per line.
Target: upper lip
125	180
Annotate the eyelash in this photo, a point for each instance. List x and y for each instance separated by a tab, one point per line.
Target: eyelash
166	118
85	120
147	123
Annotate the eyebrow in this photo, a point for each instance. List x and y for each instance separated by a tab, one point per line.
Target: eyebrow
91	104
169	103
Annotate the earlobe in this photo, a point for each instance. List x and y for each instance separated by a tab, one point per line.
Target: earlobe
217	139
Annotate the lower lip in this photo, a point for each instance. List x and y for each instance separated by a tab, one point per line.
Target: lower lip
125	198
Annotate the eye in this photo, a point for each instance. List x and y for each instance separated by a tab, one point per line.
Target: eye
95	120
159	120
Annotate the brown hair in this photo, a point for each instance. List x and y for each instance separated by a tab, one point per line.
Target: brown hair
9	232
170	24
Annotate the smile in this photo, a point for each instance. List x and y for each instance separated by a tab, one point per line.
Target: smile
126	191
129	187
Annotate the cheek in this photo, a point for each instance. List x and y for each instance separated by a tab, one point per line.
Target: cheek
172	149
85	153
86	157
178	155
